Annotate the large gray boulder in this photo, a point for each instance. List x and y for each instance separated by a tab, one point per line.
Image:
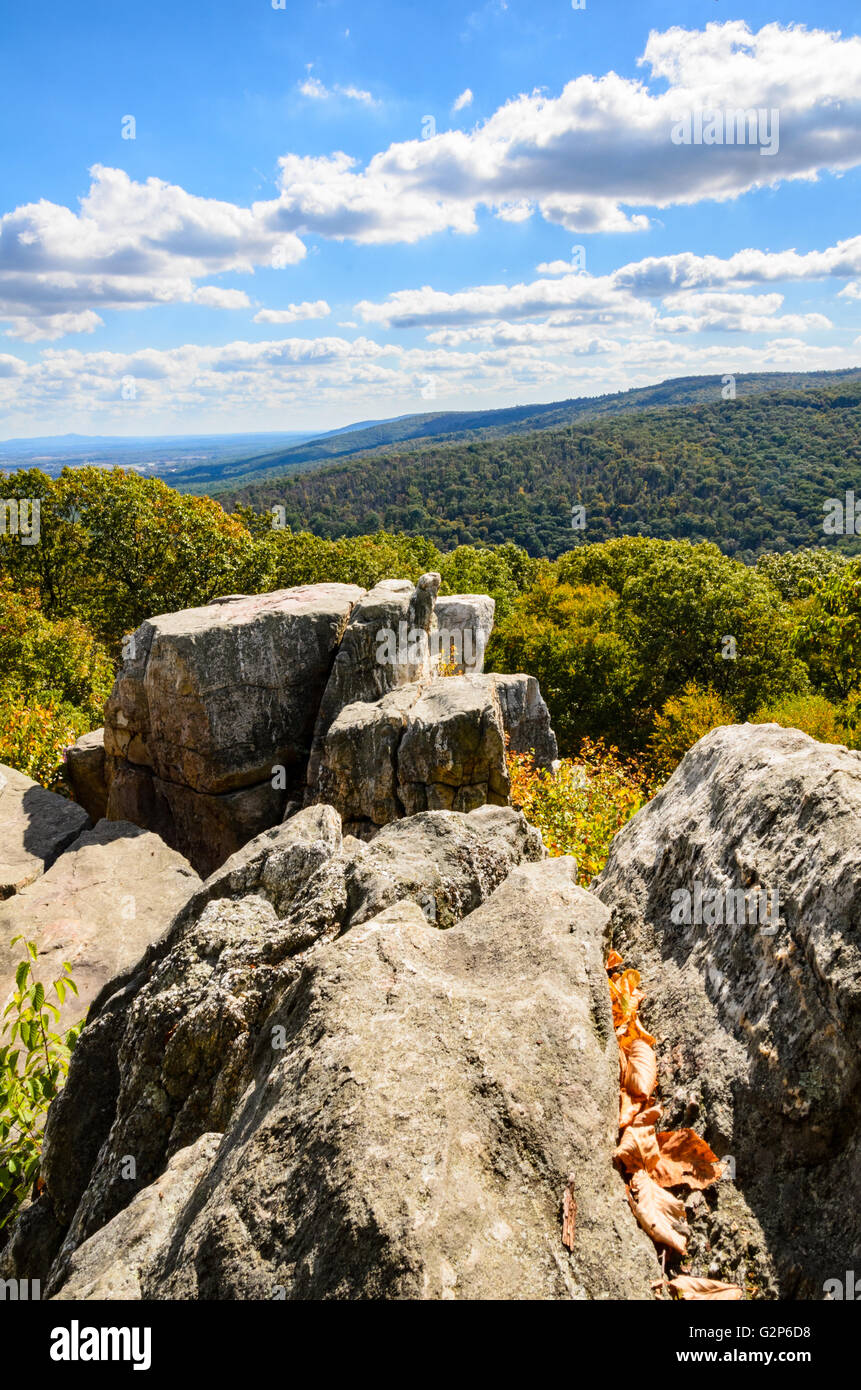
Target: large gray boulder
85	771
171	1045
410	1105
99	906
757	1003
35	827
431	745
464	625
385	645
210	722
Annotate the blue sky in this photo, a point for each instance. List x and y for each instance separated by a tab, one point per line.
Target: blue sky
335	211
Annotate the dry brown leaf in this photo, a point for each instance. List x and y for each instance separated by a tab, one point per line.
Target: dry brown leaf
648	1117
569	1214
638	1148
687	1287
632	1032
685	1159
660	1214
641	1077
628	1108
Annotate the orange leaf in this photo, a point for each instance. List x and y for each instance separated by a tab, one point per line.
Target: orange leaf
628	1108
686	1160
641	1077
687	1287
648	1117
638	1148
660	1214
614	959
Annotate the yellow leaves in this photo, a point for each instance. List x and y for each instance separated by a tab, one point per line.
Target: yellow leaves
661	1215
685	1286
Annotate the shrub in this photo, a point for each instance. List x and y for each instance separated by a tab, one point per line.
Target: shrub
34	735
579	807
684	720
812	714
31	1075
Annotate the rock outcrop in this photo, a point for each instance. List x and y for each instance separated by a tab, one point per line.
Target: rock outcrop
464	625
99	906
224	719
85	772
737	893
438	745
35	827
379	1088
209	725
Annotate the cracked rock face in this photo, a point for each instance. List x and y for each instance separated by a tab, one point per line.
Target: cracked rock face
435	745
379	1090
759	1023
210	702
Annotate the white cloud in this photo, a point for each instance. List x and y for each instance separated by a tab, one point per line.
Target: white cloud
316	309
465	99
602	147
318	91
129	246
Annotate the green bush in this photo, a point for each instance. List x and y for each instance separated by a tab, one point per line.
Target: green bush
812	714
685	719
31	1075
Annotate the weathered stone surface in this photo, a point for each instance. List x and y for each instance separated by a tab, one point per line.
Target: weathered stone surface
452	754
35	827
170	1047
430	745
117	1262
84	770
759	1031
417	1101
464	625
357	771
214	697
526	718
98	907
207	829
385	645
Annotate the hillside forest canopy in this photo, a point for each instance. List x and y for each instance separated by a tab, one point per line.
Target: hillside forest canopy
640	643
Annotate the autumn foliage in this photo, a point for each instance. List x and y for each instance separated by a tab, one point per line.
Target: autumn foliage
653	1160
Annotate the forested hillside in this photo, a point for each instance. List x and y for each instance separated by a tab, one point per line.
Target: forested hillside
751	474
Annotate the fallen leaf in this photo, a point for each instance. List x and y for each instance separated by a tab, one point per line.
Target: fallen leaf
648	1117
638	1148
641	1078
687	1287
569	1214
628	1108
633	1031
660	1214
686	1160
614	959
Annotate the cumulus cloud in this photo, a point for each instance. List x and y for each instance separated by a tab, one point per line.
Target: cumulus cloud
682	282
316	309
465	99
129	246
603	146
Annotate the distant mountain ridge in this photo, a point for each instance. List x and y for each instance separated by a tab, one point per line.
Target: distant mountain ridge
453	426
